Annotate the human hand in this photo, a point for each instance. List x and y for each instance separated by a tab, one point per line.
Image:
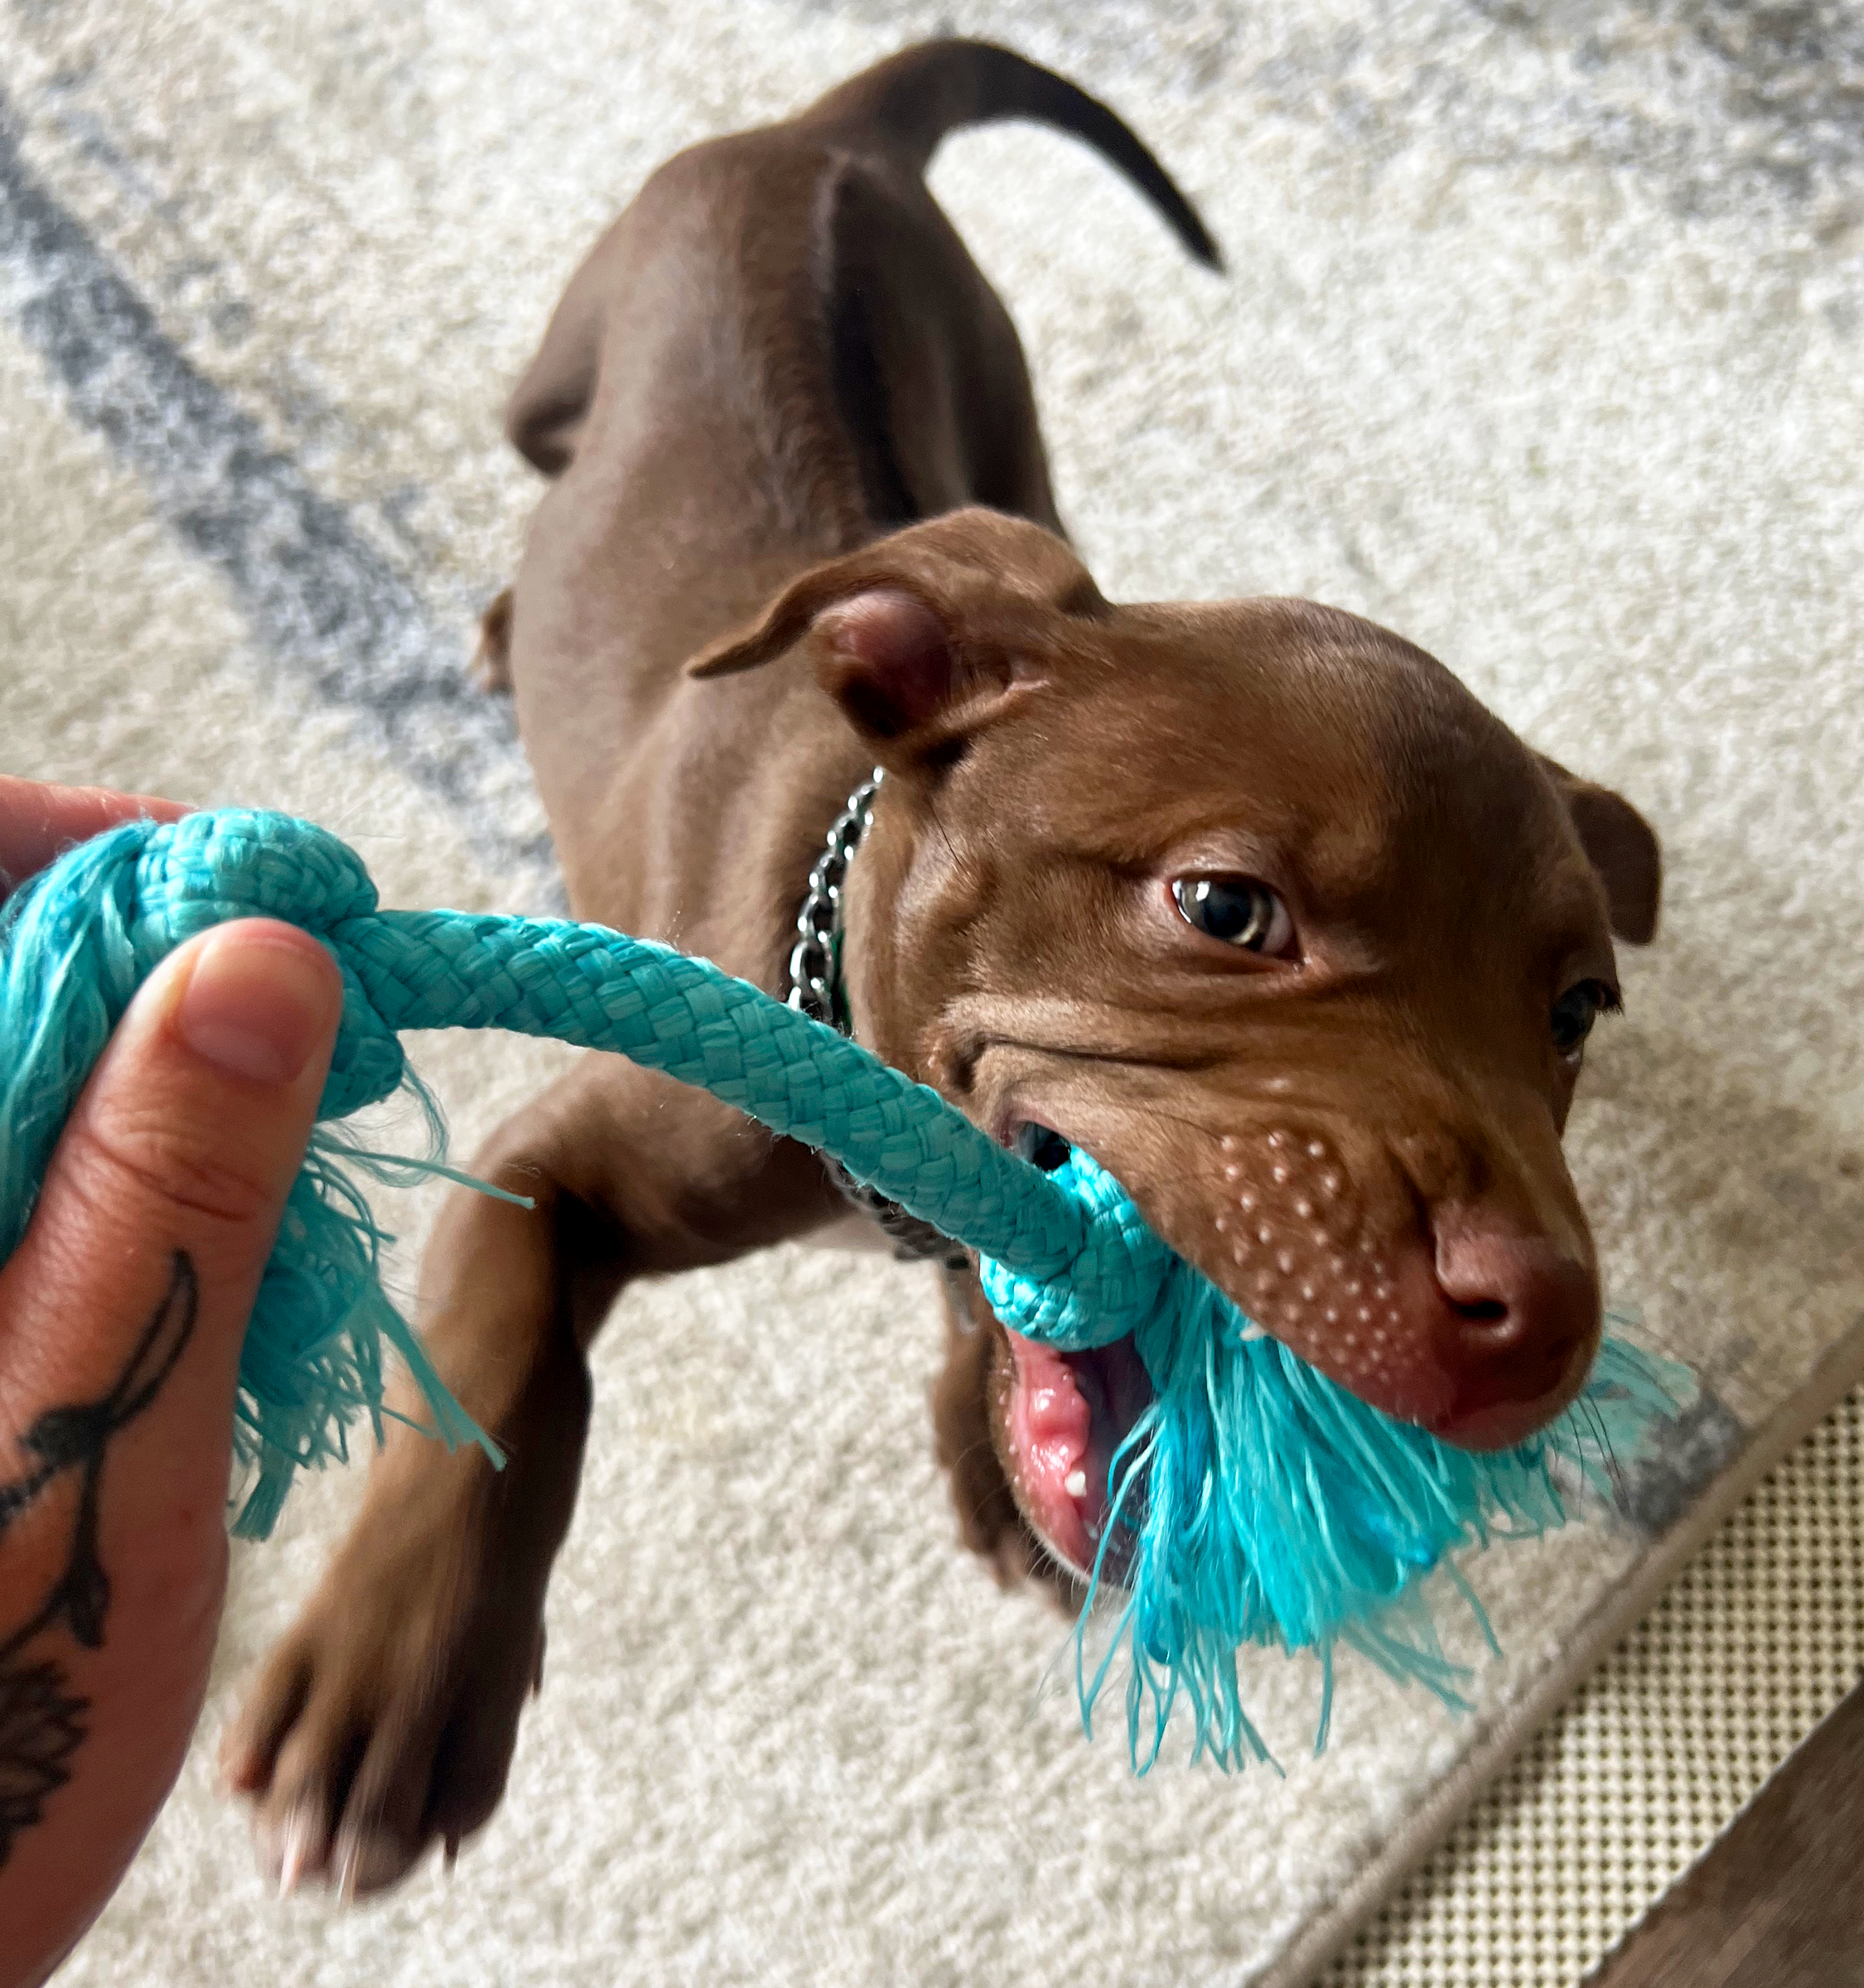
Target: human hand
121	1317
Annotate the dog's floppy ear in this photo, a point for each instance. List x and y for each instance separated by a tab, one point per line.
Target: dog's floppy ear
918	636
1621	847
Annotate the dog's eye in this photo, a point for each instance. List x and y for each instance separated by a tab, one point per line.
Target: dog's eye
1575	1012
1238	909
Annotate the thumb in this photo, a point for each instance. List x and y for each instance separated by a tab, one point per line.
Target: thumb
121	1318
184	1145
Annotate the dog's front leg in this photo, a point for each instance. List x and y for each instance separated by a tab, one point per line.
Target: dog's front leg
385	1720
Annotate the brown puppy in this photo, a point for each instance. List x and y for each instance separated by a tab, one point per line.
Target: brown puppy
1253	900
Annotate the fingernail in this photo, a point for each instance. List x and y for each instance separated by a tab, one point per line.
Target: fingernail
297	1851
258	1003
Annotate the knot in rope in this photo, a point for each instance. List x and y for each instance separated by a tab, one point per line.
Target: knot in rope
211	868
1107	1289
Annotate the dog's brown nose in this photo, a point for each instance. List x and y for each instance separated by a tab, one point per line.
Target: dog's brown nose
1526	1321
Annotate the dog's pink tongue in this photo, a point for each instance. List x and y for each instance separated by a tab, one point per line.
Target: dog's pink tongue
1050	1426
1068	1414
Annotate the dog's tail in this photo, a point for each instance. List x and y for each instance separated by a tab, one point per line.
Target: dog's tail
910	101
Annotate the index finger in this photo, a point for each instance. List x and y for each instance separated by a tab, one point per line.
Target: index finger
38	821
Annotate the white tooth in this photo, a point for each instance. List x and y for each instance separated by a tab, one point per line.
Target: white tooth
1075	1484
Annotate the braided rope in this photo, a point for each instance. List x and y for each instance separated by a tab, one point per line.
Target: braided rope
1254	1501
1072	1257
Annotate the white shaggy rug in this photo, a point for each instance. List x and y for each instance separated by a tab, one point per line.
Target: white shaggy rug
1540	343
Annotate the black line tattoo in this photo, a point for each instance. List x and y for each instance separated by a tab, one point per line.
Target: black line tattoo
40	1727
41	1723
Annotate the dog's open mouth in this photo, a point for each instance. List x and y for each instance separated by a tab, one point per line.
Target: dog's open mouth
1067	1414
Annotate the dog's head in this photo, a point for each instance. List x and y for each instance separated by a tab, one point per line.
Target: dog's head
1257	903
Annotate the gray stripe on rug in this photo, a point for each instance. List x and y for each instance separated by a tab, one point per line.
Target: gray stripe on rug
323	601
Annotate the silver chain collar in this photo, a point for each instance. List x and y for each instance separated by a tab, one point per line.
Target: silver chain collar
815	989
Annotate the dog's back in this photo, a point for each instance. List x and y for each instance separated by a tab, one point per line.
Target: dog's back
780	350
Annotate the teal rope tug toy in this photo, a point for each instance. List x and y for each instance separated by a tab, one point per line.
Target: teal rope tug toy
1258	1502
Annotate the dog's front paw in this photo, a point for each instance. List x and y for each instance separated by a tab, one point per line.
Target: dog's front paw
385	1720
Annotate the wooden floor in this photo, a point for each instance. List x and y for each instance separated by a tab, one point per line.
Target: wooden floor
1779	1901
